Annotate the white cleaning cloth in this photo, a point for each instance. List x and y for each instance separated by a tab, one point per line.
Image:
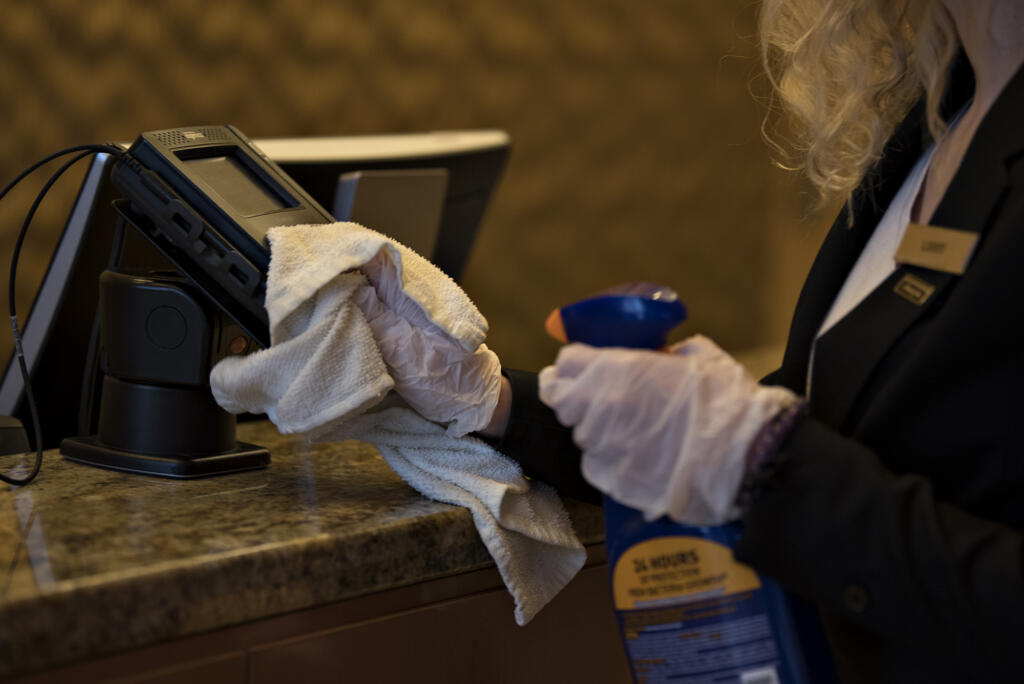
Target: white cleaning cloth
522	523
323	363
324	370
305	258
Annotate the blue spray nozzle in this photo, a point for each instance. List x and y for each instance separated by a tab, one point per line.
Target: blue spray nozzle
638	315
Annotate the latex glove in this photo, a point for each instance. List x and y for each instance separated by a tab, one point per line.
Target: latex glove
432	373
666	433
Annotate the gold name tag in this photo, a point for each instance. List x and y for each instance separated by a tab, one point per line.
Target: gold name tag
913	289
940	249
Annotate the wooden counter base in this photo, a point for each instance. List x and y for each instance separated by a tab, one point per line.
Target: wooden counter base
455	629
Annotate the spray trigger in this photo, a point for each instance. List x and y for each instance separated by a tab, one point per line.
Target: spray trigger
638	315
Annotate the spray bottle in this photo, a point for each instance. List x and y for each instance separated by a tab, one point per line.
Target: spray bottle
688	612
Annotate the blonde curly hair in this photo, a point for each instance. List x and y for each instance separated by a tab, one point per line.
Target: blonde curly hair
848	71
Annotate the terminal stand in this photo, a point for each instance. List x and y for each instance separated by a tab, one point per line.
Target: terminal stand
160	337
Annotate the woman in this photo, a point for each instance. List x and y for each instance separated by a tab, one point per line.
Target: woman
895	498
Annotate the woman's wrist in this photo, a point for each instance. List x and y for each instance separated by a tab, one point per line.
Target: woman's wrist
495	428
764	450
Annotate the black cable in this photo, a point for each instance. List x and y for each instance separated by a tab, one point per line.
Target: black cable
28	220
109	148
85	151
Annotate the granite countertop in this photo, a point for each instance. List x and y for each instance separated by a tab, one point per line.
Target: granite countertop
95	561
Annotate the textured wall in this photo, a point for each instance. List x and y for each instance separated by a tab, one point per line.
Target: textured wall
636	140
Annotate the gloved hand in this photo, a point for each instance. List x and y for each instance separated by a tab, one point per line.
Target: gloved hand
666	433
432	373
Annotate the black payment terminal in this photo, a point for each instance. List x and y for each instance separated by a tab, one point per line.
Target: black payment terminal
206	198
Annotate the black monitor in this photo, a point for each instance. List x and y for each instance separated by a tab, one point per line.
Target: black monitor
60	333
473	161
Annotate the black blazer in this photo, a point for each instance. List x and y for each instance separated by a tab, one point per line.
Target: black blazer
897	507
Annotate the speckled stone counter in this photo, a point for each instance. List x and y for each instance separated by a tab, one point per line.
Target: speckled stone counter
95	561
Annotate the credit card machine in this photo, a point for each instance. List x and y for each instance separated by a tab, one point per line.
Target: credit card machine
206	197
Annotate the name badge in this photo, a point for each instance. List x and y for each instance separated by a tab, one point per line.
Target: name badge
940	249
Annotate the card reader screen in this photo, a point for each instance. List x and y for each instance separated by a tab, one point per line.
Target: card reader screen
242	191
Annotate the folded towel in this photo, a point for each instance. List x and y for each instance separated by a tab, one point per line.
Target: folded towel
323	364
522	523
323	372
305	258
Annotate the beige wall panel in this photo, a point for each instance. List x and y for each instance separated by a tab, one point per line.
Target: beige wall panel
637	152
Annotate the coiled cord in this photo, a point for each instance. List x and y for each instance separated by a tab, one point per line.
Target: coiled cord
83	152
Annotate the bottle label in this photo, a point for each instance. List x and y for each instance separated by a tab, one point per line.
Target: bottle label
688	611
678	570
